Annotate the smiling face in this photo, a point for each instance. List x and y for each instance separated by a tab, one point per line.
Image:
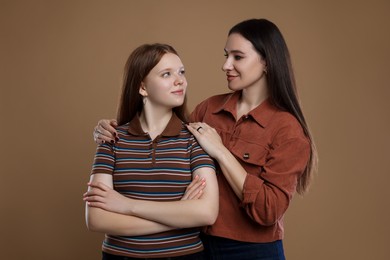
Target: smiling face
244	67
165	85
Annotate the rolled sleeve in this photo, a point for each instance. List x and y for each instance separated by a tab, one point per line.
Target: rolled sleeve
266	196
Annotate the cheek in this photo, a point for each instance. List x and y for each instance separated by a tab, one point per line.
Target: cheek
255	70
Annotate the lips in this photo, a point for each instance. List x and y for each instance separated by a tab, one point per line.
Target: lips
230	77
178	92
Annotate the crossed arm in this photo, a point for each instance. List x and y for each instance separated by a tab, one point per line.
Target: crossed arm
108	211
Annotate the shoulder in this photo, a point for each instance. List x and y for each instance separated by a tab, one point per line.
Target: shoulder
123	127
283	119
287	127
187	137
123	130
184	132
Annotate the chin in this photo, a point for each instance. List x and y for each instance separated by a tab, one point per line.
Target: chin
177	104
234	87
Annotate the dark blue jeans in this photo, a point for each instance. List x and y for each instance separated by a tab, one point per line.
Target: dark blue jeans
218	248
196	256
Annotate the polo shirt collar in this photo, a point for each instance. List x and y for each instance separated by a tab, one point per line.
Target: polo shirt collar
173	128
262	114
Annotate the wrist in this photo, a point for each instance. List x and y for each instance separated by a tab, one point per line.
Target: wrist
130	207
222	155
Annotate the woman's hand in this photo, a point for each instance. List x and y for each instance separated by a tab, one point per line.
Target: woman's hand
105	131
102	196
195	189
208	138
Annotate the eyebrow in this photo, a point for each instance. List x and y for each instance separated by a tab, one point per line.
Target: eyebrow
234	51
169	69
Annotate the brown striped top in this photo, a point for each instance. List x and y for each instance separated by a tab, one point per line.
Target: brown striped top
158	170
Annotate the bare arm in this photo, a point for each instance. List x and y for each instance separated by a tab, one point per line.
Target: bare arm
178	214
211	142
100	220
182	214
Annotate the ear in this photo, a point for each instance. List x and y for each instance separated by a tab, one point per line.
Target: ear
265	65
142	90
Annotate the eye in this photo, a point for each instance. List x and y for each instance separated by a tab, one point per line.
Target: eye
236	57
166	74
225	55
182	72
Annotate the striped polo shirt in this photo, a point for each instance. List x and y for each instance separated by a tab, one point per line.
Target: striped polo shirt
157	170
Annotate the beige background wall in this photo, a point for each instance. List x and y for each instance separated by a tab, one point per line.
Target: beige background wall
61	66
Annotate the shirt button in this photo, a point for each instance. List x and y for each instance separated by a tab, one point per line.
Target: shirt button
246	156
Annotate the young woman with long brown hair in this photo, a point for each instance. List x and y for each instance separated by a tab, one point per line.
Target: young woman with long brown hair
139	193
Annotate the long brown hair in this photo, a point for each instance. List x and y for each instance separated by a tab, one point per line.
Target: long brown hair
270	44
140	62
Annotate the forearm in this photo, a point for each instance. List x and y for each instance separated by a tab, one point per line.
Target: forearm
234	173
264	203
99	220
183	213
174	214
180	214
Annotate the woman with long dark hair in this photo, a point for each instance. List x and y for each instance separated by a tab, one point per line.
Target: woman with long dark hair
260	140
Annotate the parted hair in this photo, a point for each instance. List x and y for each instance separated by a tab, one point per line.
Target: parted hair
268	41
140	62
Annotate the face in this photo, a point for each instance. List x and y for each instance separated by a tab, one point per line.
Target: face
165	85
244	67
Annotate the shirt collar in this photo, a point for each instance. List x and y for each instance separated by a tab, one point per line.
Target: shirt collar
262	114
173	127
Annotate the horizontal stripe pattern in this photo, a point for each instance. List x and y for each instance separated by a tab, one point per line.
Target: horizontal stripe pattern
158	170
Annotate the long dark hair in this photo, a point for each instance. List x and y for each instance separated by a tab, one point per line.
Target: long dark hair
140	62
268	41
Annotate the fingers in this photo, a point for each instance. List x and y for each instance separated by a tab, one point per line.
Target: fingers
96	194
195	129
99	185
195	189
100	136
93	196
108	127
96	204
105	131
113	122
193	182
199	127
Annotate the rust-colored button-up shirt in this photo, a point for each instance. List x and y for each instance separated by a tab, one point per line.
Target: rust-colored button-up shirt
271	146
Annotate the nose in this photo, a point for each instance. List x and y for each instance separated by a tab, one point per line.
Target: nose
179	80
227	65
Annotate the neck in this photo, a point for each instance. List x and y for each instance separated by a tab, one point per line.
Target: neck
251	98
154	121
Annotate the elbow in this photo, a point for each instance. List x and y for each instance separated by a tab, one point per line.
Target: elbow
211	220
92	228
91	224
210	217
92	220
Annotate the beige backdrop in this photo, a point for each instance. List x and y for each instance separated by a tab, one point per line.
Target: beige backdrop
61	66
